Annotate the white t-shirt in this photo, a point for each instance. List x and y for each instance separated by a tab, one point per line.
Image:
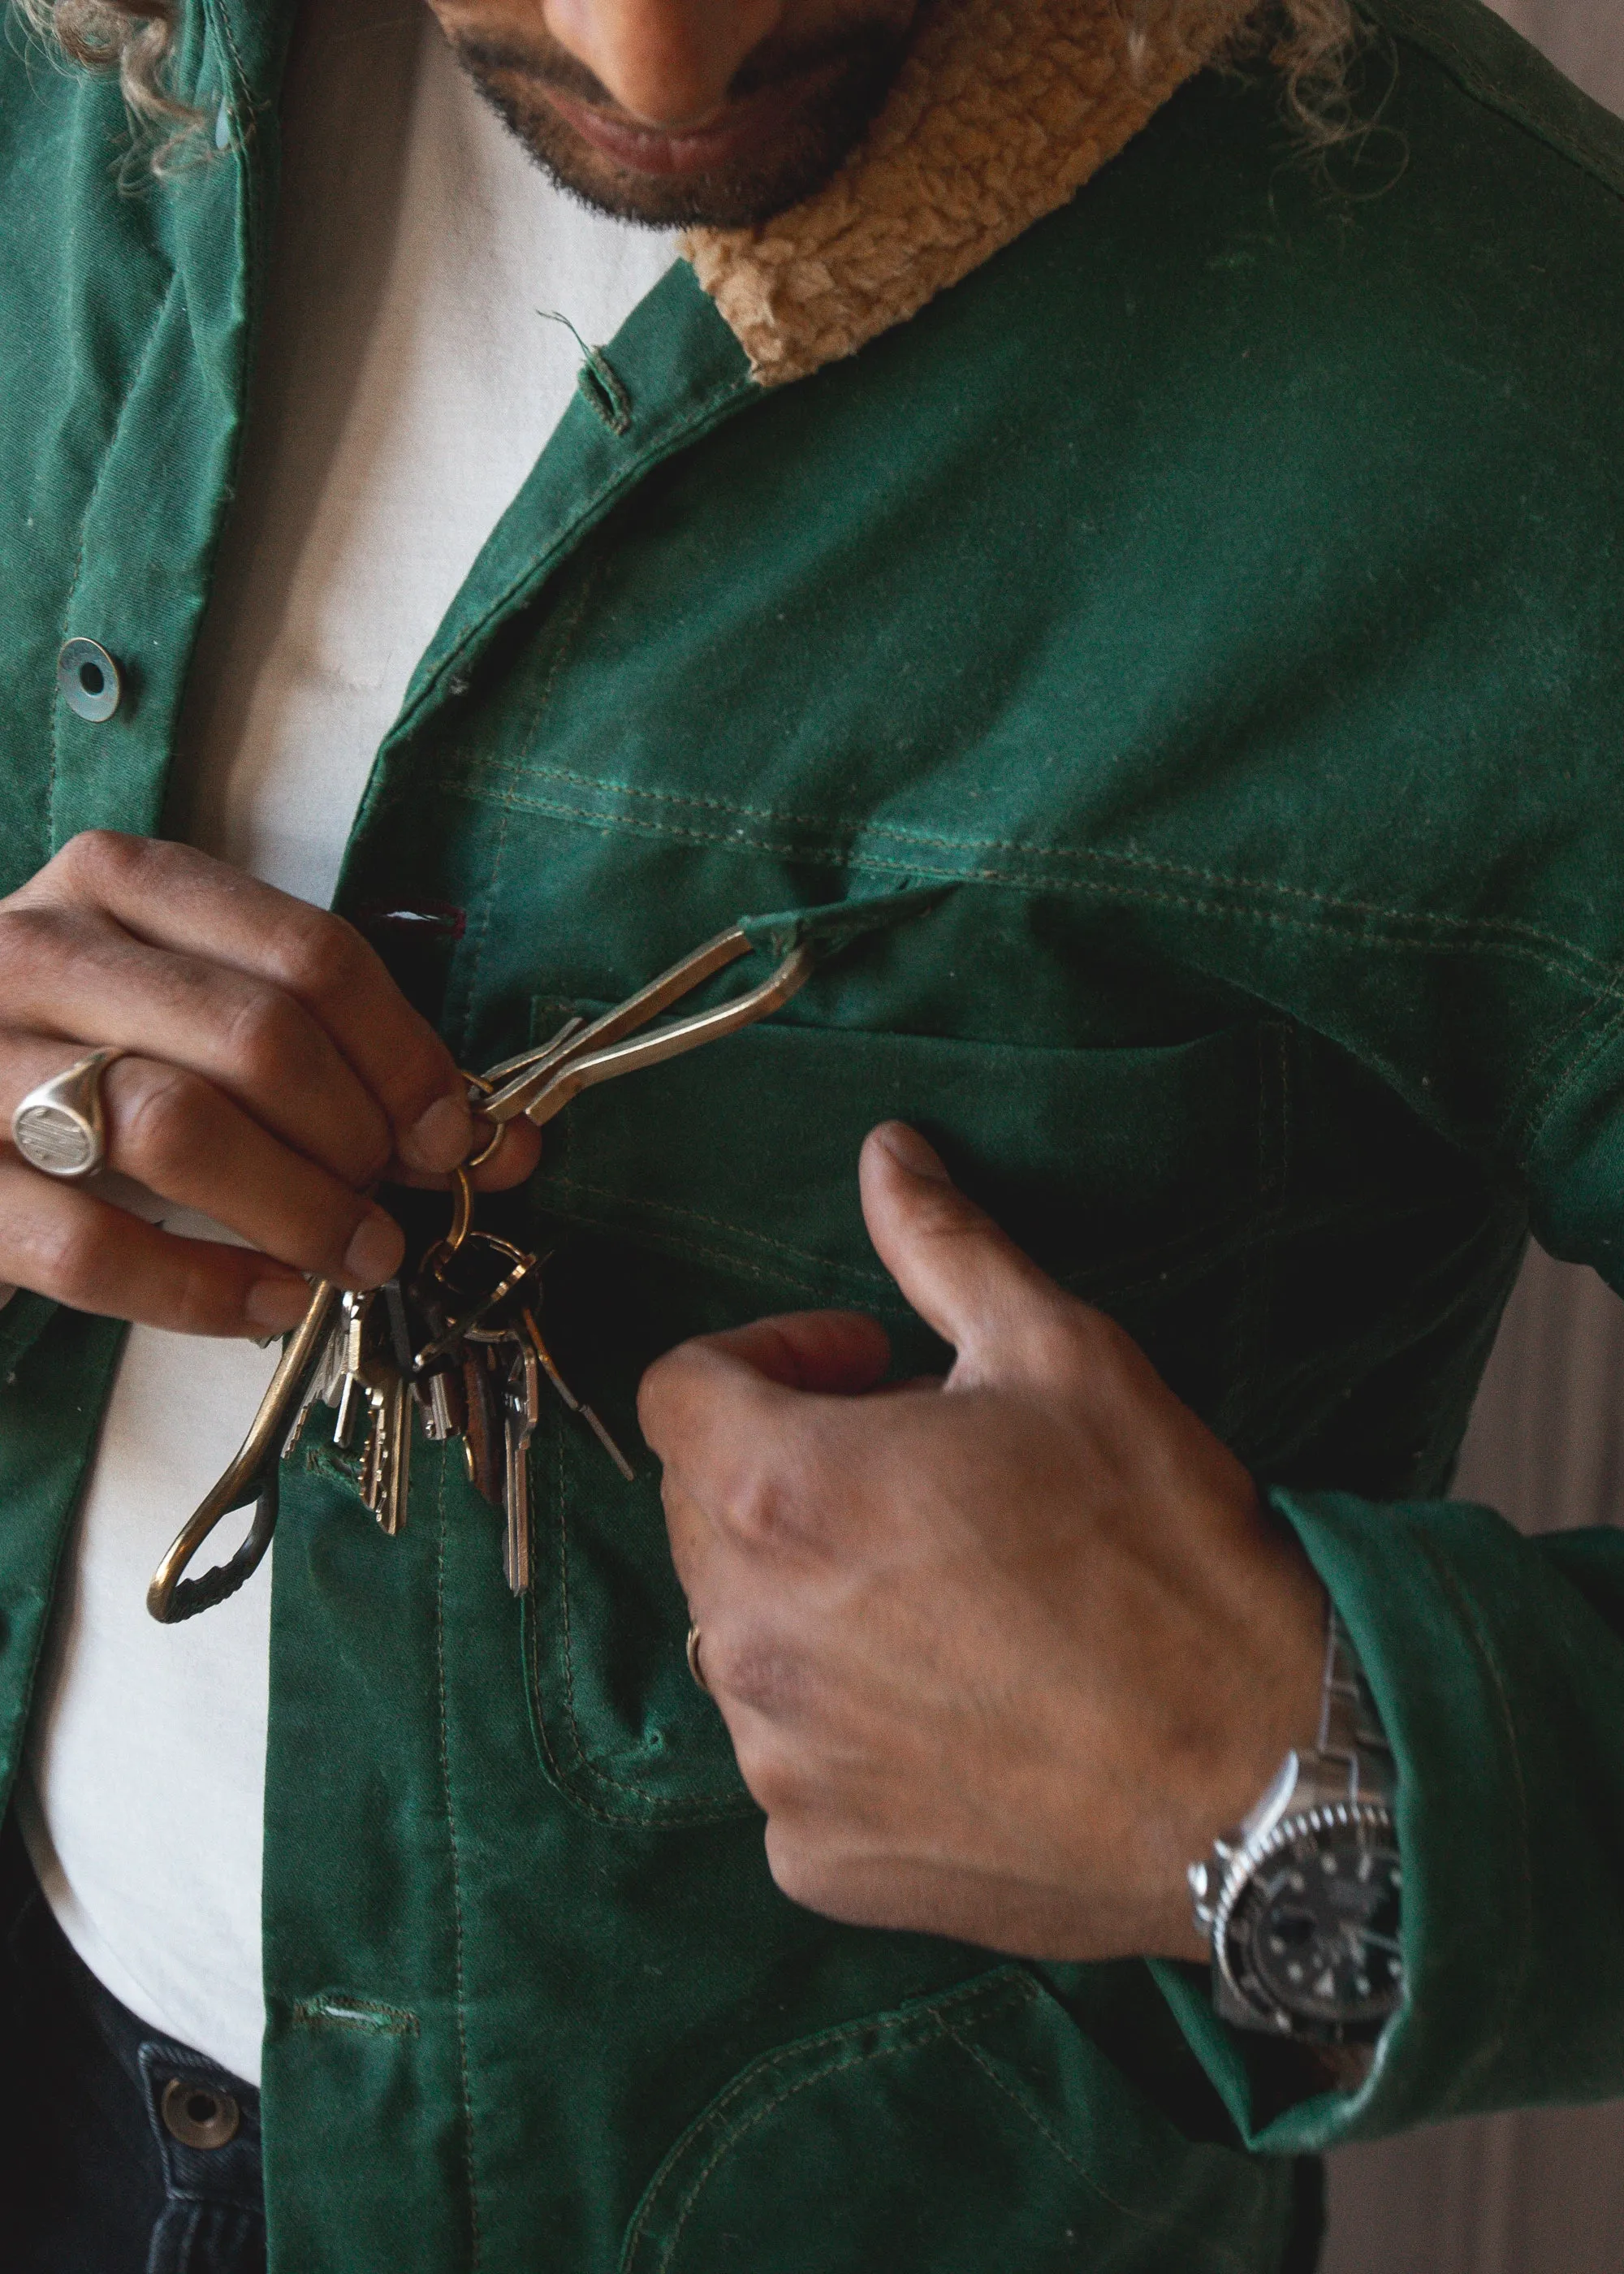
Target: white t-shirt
407	383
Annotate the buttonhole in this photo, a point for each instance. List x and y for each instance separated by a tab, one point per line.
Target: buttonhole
337	2009
598	380
604	392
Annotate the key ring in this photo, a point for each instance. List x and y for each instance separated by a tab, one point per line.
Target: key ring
478	1087
60	1127
482	1085
466	1327
462	1209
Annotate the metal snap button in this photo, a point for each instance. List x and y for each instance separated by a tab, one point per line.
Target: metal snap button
92	683
198	2116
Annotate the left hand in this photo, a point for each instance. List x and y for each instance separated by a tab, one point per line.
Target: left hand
999	1655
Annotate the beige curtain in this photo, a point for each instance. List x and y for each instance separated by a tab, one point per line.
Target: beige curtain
1535	2194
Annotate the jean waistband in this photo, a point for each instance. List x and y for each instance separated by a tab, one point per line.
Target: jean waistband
134	2150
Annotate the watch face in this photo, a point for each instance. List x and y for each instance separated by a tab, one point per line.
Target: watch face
1316	1929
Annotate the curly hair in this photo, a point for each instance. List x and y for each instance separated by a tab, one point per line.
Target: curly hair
133	38
1311	43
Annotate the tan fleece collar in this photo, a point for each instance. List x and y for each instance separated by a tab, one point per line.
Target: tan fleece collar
1001	113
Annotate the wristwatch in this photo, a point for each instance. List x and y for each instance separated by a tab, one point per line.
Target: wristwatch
1301	1903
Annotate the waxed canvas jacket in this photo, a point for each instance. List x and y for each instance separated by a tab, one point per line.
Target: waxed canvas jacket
1155	619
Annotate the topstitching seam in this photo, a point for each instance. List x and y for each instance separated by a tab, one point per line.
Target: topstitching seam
1477	87
1210	1235
650	1805
241	97
902	2033
536	571
55	730
1464	1611
1162	2223
655	1809
601	1775
860	825
1035	879
467	2127
1544	1106
1512	1130
91	503
568	630
758	2116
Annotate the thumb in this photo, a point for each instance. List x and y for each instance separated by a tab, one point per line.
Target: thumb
837	1353
965	1277
709	1406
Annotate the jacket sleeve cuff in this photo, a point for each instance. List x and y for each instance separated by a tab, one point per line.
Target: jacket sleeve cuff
1498	1669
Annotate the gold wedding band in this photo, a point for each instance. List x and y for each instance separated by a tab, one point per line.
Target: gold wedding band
60	1126
694	1667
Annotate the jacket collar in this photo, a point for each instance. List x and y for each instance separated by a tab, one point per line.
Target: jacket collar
1002	111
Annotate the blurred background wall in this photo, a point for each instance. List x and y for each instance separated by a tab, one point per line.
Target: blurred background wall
1584	38
1543	2193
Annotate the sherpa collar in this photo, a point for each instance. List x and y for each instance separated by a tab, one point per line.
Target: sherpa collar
1002	111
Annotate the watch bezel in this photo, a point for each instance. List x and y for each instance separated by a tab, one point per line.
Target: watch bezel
1254	2004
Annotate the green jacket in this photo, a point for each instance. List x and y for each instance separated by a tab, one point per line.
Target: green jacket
1187	659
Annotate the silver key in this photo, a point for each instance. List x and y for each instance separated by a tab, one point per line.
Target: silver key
393	1516
523	1410
391	1380
440	1396
323	1388
374	1398
386	1463
352	1399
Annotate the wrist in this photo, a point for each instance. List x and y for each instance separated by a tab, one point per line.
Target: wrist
1261	1681
1233	1695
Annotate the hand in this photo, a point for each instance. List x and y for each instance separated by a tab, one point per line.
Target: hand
278	1073
999	1655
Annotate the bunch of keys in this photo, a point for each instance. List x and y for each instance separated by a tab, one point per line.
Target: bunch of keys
458	1342
461	1342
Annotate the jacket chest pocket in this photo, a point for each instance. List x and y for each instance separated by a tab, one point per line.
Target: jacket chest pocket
723	1187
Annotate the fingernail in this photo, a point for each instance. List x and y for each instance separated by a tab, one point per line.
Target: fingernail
277	1305
375	1251
439	1138
910	1151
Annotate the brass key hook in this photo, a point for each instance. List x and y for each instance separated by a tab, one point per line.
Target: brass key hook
254	1475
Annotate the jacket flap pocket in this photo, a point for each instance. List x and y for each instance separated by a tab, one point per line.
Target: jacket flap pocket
979	2128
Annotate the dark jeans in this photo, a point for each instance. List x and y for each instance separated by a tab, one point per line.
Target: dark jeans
125	2153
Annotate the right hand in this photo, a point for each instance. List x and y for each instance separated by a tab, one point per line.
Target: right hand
277	1073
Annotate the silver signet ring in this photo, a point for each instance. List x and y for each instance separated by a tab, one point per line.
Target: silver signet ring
60	1126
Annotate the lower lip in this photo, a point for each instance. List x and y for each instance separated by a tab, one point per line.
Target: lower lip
738	134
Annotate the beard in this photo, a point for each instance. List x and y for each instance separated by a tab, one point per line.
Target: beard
850	74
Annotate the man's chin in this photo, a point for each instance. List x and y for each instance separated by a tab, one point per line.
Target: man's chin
749	185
